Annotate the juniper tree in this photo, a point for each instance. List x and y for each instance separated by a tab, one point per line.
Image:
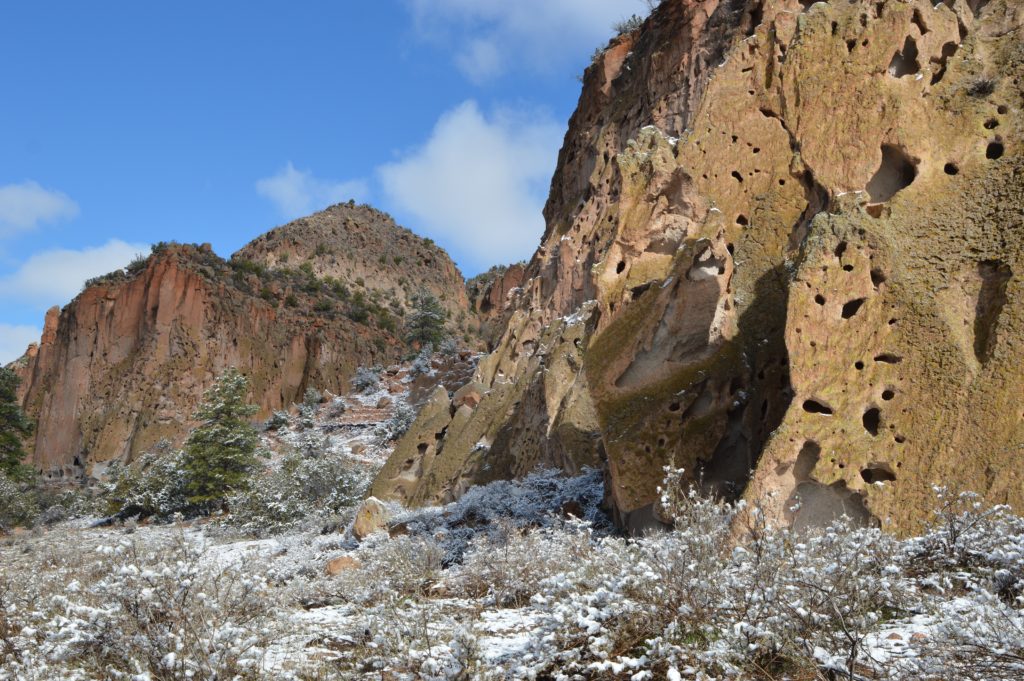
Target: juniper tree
426	321
13	427
221	452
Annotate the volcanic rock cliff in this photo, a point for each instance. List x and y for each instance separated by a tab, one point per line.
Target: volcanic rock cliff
124	364
783	251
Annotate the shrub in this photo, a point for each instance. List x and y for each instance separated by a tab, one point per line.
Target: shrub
422	363
633	23
277	421
220	453
366	379
398	423
291	301
19	506
162	613
312	397
154	485
305	487
137	265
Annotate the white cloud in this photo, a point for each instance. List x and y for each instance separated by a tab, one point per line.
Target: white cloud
14	340
55	277
298	192
23	207
495	35
478	184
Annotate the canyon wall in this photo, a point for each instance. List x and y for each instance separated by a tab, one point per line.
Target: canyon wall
783	252
125	363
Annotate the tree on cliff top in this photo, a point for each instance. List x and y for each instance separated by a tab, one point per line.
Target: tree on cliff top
13	427
221	452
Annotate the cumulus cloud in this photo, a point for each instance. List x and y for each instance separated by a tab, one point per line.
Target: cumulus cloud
25	206
478	184
14	340
494	35
55	277
298	192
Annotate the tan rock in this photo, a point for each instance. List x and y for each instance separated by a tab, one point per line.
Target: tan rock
469	395
384	402
800	230
341	564
372	516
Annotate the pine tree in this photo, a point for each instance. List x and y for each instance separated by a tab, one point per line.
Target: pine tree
221	452
426	321
13	427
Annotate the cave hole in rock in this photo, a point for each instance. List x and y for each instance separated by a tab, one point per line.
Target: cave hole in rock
840	249
948	50
888	358
877	472
951	169
872	419
877	277
819	299
816	407
847	268
858	365
1002	110
851	308
994	150
742	220
918	20
807	461
620	267
675	406
904	62
995	275
78	462
888	394
736	174
991	124
897	171
422	448
900	439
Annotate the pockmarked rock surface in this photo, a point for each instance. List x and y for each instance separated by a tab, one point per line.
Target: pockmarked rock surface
124	365
783	251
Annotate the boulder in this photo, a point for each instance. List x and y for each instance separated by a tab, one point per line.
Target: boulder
372	516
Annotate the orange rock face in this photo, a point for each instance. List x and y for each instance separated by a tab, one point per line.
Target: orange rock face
124	364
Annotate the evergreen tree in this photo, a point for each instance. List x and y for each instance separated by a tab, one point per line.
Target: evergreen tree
221	452
13	427
426	321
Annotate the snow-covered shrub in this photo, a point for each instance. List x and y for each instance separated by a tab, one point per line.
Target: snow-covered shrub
277	421
449	347
304	488
509	566
366	379
160	612
398	423
18	504
312	397
336	408
421	365
154	485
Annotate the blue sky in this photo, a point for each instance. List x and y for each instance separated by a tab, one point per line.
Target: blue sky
126	123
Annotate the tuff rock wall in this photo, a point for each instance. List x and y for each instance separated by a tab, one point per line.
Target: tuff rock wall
783	251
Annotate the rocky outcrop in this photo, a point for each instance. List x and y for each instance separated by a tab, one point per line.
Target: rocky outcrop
124	364
794	233
362	250
491	297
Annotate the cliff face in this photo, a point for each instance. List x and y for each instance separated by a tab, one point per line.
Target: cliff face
125	363
783	251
